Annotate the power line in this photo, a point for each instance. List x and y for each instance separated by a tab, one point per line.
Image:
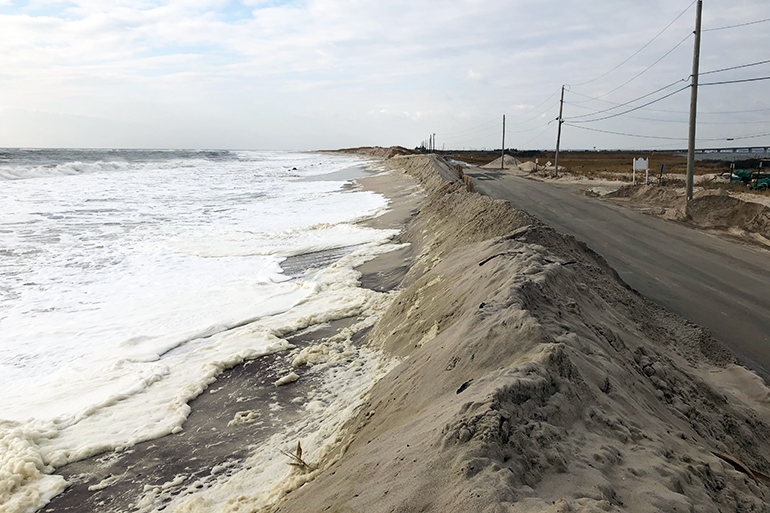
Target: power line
646	69
637	117
635	108
639	50
764	122
733	111
617	105
658	120
627	135
599	98
489	126
753	136
680	121
658	147
536	117
736	67
530	129
538	135
461	136
742	137
757	79
635	99
665	111
734	26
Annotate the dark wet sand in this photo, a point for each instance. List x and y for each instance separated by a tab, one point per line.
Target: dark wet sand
206	441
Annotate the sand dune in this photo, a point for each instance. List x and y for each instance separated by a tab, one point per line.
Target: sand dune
534	379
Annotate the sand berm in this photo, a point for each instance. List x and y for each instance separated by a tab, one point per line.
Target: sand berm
533	379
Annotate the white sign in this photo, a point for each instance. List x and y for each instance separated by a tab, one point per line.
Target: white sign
640	164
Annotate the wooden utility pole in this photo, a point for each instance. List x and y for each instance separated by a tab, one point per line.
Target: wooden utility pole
558	133
502	162
693	103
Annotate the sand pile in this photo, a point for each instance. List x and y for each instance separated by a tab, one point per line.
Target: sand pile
724	212
649	194
667	202
510	162
709	209
533	379
528	166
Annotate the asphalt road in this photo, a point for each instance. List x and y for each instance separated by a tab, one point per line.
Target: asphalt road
716	283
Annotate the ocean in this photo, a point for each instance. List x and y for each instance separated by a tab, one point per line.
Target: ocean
129	279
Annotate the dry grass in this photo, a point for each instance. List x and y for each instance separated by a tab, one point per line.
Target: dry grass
603	163
597	164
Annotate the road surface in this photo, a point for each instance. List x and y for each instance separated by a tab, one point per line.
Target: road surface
722	285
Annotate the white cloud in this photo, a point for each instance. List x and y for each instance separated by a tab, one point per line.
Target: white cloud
473	75
258	73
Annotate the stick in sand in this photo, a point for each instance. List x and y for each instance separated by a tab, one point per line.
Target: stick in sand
297	458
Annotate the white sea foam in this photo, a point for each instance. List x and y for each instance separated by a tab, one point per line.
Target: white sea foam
22	172
127	288
297	241
347	373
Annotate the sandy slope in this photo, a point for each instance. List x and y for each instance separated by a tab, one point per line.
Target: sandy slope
535	380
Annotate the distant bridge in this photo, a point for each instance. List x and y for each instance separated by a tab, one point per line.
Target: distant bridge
737	153
744	149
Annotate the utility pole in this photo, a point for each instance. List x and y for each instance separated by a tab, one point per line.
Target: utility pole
693	103
502	161
558	133
434	143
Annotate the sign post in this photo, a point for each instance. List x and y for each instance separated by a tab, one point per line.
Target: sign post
640	164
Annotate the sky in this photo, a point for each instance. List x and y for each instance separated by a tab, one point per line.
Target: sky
324	74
